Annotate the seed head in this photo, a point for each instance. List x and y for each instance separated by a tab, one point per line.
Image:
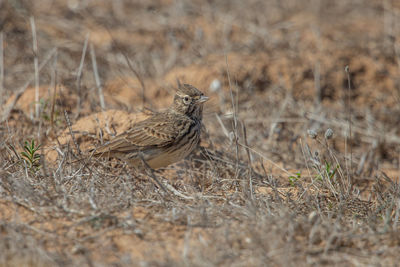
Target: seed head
328	134
312	133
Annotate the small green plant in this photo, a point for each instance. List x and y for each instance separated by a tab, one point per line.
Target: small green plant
43	107
47	113
294	178
30	156
329	171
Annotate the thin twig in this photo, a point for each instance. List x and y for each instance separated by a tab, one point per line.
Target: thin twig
278	115
308	170
54	86
36	65
97	77
176	192
79	75
235	133
71	132
1	68
250	161
348	105
224	130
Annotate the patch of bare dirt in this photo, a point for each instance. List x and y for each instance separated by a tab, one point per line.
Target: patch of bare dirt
62	99
127	92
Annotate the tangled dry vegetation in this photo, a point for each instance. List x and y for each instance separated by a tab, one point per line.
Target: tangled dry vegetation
299	160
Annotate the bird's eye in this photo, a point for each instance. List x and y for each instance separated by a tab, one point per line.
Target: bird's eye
186	99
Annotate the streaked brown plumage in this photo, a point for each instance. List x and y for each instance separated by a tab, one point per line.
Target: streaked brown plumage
164	138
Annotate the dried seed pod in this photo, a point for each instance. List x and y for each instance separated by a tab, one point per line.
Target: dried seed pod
312	133
328	133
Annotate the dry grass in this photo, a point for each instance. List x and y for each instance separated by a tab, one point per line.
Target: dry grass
269	185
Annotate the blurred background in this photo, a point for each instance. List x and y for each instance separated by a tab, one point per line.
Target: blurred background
285	60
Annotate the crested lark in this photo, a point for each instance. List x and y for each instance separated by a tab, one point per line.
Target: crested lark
164	138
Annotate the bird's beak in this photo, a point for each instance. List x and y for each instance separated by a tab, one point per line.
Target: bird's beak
202	99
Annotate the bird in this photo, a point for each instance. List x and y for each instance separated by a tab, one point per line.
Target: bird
164	138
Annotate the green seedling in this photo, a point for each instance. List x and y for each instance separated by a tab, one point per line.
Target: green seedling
329	171
30	155
294	178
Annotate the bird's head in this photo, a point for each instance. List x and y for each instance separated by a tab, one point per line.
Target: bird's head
189	101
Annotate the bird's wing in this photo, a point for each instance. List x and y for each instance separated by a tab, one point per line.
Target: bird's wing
157	131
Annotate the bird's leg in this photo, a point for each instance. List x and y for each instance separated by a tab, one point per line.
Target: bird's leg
150	172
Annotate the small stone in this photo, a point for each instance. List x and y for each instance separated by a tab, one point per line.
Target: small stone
215	85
